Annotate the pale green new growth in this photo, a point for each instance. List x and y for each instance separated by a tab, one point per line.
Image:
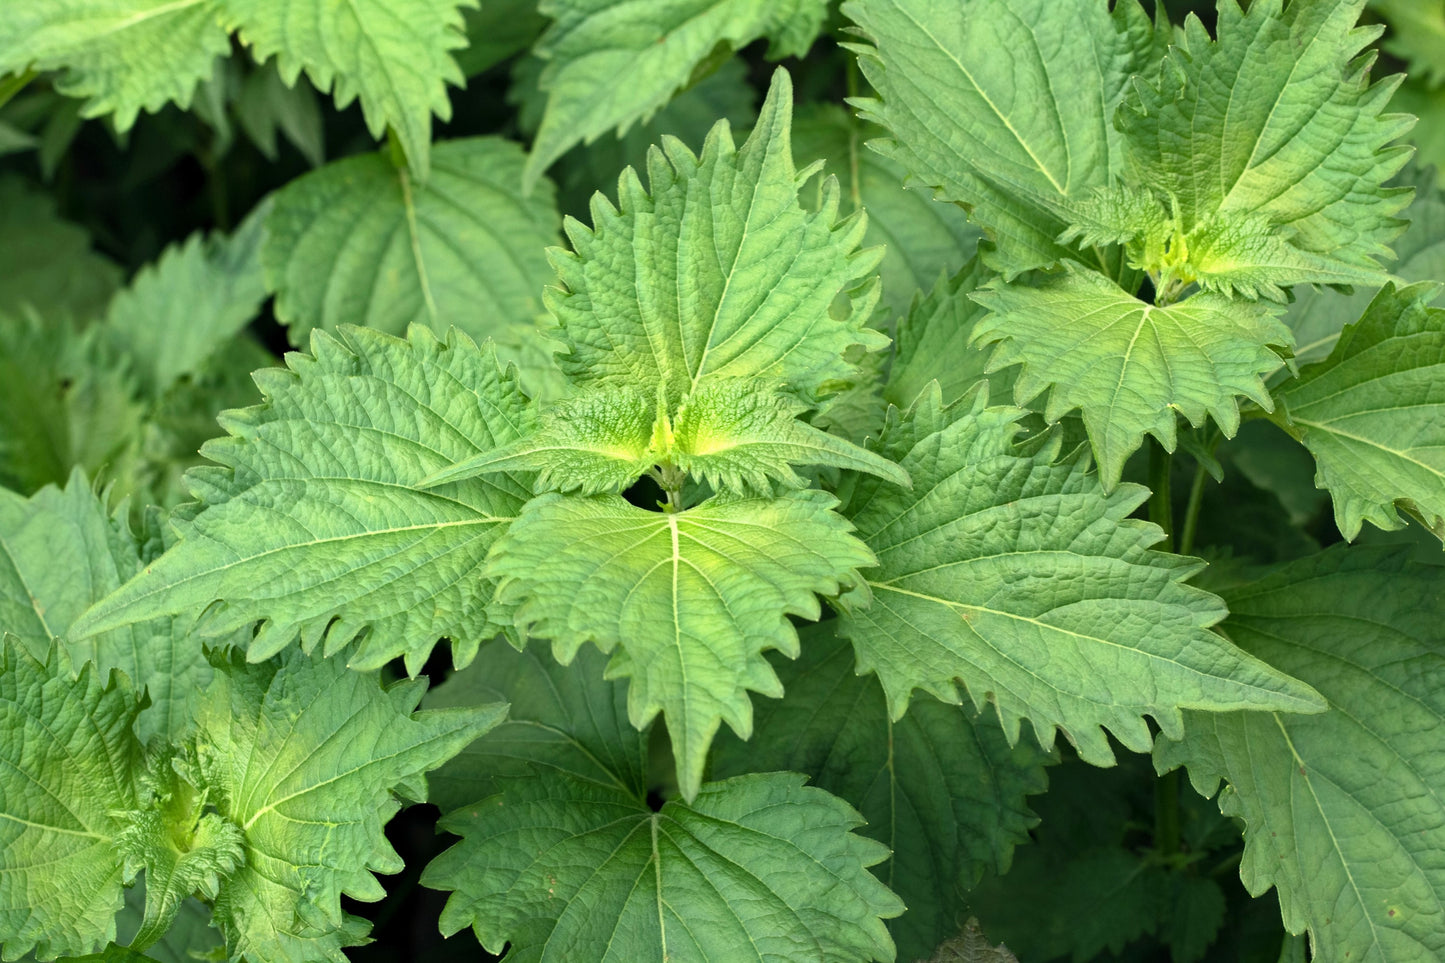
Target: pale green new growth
1343	811
1267	151
1005	106
688	600
183	849
941	787
599	440
733	435
717	273
1016	576
1131	367
361	242
736	435
610	65
68	758
314	516
1373	414
304	757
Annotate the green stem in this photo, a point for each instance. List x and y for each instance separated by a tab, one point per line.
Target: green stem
672	479
1161	508
1191	511
1161	513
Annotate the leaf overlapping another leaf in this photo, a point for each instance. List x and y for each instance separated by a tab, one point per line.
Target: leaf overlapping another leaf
314	523
123	56
361	242
1373	413
734	435
1343	811
68	758
1268	150
718	272
941	787
1129	366
1005	106
687	601
126	56
1016	575
306	758
60	552
611	65
756	868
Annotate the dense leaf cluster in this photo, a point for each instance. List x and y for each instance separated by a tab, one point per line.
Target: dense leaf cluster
862	496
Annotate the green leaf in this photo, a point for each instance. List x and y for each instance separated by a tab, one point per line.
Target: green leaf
191	936
595	441
1417	34
1373	414
315	516
921	237
183	849
183	308
1015	575
60	552
496	31
736	435
392	54
49	264
1318	315
69	758
265	104
934	342
67	399
1428	135
756	868
718	273
1004	106
1129	366
1342	811
360	242
111	954
688	883
725	94
941	788
563	718
688	600
305	757
122	56
1267	149
611	65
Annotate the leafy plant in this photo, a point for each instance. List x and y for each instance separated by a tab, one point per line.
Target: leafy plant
777	519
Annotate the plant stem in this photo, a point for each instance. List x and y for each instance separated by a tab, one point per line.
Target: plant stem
1166	787
1191	512
1161	508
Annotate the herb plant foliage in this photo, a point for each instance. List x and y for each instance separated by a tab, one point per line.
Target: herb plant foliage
722	531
